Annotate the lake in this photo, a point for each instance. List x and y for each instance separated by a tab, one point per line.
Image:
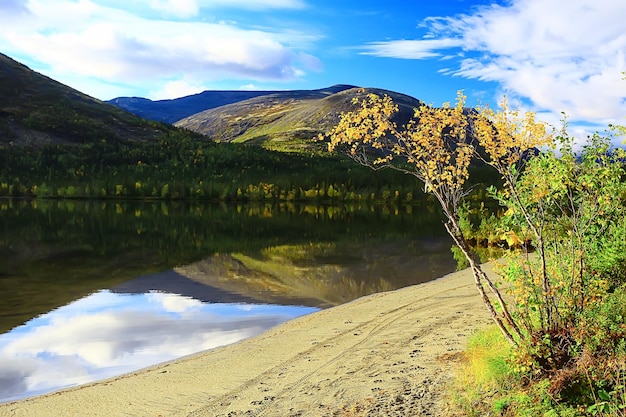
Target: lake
95	289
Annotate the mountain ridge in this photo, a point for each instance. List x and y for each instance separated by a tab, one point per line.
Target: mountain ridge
174	110
286	121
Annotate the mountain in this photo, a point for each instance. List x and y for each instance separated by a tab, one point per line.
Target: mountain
288	120
171	111
36	110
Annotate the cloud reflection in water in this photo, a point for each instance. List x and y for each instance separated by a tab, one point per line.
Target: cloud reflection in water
108	334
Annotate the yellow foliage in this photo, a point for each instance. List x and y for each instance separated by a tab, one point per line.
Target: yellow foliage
434	142
437	146
512	239
506	135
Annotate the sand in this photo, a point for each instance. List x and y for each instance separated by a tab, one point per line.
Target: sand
388	354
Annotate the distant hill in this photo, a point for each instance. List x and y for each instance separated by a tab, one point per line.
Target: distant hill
288	120
36	110
171	111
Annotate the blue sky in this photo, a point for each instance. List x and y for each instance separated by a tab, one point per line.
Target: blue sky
551	56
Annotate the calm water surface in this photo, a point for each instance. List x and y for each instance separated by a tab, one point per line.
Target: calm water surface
92	290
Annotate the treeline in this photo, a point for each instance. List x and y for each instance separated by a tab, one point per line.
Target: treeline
180	166
186	231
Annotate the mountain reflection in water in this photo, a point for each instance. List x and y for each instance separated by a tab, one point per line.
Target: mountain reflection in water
107	334
94	289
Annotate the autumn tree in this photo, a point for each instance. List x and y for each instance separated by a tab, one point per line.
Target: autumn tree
563	206
436	147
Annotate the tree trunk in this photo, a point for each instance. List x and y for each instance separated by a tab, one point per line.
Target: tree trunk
480	276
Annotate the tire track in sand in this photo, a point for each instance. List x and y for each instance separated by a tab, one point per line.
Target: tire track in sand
345	367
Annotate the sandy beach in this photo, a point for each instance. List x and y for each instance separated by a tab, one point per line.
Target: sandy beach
388	354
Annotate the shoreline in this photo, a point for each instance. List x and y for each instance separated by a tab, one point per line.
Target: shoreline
390	353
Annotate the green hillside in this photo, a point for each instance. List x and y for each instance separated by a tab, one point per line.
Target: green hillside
36	110
288	121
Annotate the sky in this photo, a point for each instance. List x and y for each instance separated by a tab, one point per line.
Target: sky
548	56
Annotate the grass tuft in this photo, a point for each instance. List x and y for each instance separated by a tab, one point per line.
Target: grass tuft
484	369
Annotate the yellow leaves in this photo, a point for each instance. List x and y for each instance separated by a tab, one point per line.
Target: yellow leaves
512	239
436	142
365	125
539	193
506	135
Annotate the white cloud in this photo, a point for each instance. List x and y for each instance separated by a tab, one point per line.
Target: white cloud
310	62
411	49
255	4
169	6
180	8
174	303
176	89
113	46
555	56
